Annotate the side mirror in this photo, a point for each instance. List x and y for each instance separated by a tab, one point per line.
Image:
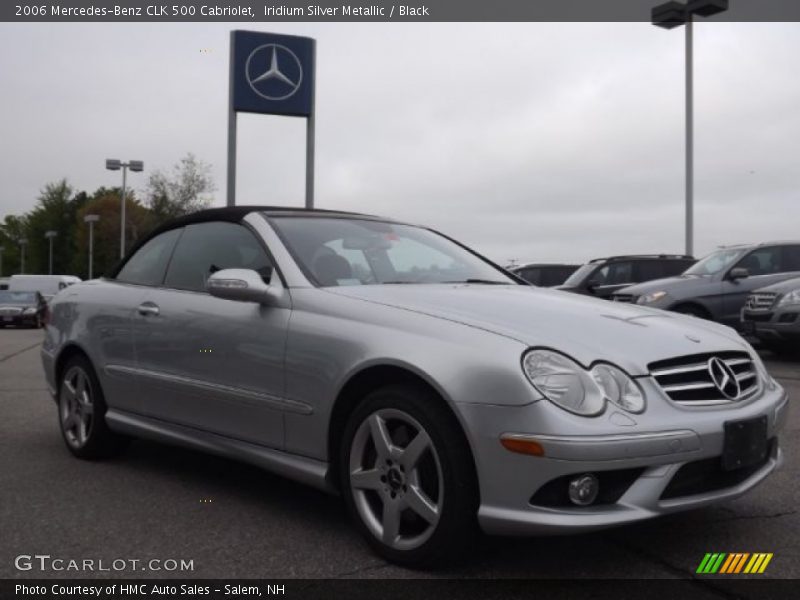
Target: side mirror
738	273
242	285
593	285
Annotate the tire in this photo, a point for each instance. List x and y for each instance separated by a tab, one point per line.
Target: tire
690	309
81	413
420	482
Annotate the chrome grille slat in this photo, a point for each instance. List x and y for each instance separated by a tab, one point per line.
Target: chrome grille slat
688	381
761	301
678	370
687	386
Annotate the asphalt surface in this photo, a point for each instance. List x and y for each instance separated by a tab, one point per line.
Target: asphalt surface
235	521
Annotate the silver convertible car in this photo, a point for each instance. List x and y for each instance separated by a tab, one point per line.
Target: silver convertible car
433	390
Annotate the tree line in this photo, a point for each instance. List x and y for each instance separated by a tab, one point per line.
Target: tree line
186	188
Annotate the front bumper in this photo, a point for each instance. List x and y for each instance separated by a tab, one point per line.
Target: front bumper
773	326
18	321
650	449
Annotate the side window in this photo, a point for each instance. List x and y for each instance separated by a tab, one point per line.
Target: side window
675	267
762	261
790	259
532	275
620	272
206	248
647	270
147	266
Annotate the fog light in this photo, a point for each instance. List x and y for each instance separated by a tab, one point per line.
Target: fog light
583	489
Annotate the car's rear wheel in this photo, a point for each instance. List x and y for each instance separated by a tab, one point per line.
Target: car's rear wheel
408	477
81	412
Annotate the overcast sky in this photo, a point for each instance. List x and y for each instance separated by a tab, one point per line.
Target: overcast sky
536	141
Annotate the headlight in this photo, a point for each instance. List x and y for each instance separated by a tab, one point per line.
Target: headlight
29	311
792	297
618	388
568	385
650	298
761	369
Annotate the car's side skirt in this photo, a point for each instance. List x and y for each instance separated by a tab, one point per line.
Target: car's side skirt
299	468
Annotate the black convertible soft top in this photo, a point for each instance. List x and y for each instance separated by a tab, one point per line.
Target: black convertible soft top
232	214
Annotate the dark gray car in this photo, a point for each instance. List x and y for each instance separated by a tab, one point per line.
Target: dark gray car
717	286
601	277
772	314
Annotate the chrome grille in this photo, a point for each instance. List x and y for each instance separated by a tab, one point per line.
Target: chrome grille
630	298
9	311
688	381
760	301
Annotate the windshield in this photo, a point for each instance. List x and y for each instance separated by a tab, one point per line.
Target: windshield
715	262
578	276
344	251
17	297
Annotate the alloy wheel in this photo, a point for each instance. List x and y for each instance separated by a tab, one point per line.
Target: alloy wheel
396	479
76	407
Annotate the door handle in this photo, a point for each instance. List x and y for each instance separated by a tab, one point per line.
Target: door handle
148	308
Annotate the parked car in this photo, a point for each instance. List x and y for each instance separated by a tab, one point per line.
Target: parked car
420	380
3	283
602	277
772	314
717	286
22	309
47	285
544	275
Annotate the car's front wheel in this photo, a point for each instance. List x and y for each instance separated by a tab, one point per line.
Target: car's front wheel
408	477
81	412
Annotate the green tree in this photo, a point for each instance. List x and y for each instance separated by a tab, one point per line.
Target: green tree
12	229
55	210
105	202
187	188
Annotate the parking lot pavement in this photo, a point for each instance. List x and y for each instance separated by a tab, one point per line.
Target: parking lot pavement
232	520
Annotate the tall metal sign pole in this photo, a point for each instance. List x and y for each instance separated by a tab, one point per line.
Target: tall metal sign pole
271	74
669	16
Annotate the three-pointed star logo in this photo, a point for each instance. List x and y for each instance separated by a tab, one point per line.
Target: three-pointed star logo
274	72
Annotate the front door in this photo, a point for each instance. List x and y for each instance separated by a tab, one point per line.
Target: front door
210	363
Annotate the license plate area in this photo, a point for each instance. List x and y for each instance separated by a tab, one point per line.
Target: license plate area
745	443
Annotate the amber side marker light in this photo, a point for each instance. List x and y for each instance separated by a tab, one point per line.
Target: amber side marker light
522	445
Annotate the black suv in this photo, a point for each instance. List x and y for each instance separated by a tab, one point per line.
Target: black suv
602	277
544	275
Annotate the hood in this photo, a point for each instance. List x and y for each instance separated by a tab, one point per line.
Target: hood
585	328
783	287
667	284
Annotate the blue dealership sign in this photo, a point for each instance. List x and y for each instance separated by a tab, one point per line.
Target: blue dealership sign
272	74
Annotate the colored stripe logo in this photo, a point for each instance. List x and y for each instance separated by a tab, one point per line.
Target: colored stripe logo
733	563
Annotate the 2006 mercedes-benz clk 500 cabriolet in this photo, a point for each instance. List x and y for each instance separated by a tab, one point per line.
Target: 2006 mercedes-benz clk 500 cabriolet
431	388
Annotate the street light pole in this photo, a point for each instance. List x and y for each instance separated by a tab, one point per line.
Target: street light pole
22	243
91	220
668	16
113	164
689	137
50	235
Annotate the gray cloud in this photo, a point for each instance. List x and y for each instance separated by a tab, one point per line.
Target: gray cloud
539	141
